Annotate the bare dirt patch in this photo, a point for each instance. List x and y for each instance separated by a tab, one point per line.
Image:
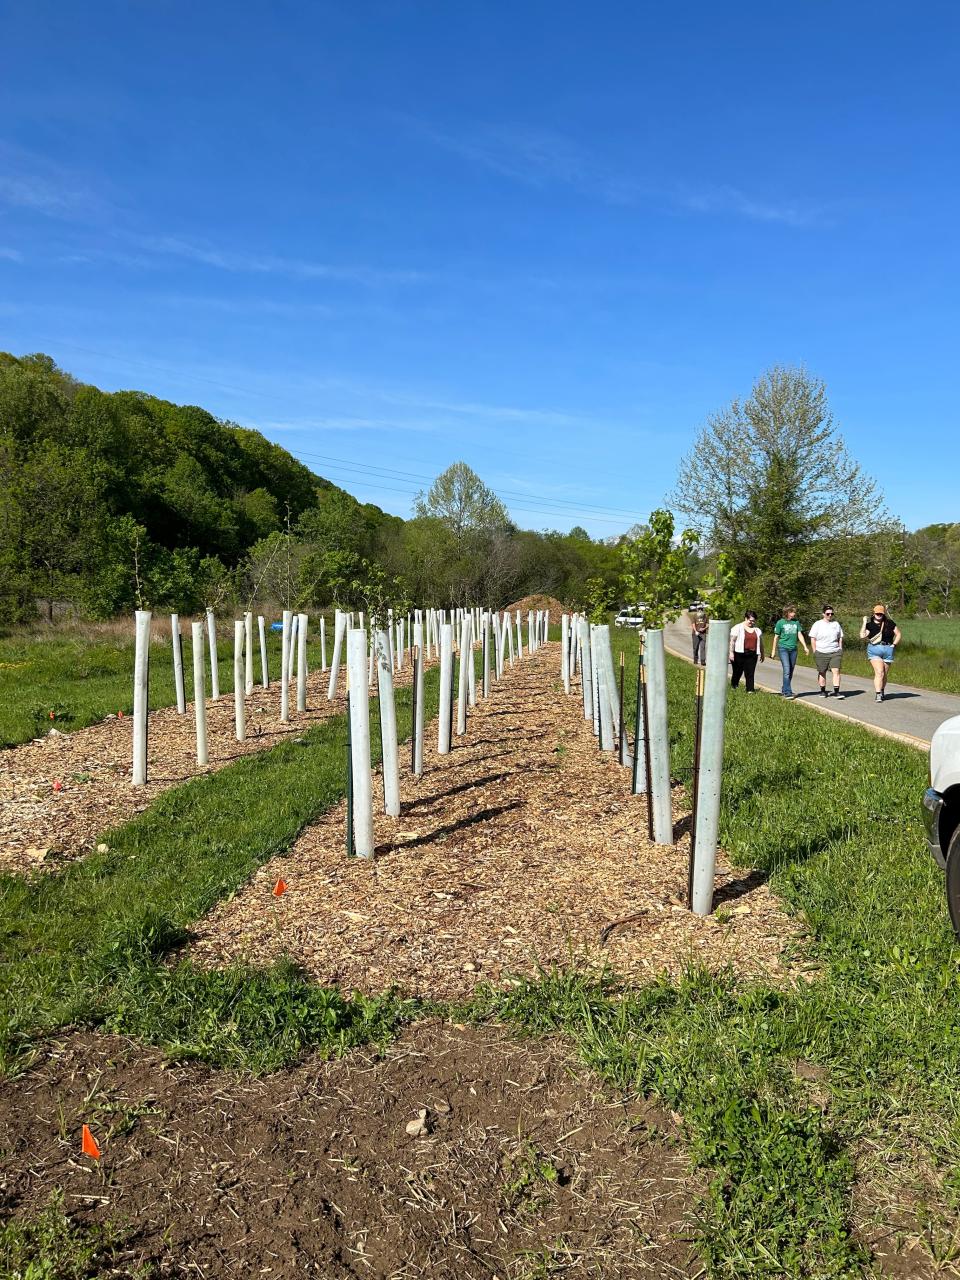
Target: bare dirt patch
513	852
518	1166
43	824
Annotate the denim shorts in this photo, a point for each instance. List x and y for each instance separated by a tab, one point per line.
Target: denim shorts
884	651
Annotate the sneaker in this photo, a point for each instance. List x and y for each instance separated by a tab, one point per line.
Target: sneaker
838	694
823	693
879	698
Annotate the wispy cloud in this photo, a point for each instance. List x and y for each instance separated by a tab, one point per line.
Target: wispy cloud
34	183
349	424
477	409
244	262
729	199
10	255
542	158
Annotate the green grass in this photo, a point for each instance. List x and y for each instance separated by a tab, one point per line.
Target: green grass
48	1246
928	656
826	810
82	676
830	813
86	945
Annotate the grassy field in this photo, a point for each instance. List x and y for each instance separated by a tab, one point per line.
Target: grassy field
928	656
83	674
806	1106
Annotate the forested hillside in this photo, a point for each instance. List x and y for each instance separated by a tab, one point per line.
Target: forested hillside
108	500
104	494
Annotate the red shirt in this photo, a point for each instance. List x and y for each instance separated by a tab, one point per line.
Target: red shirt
749	641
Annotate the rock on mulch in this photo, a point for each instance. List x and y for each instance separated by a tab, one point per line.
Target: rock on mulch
457	1153
512	852
61	792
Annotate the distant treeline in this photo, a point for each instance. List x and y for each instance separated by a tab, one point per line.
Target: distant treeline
108	500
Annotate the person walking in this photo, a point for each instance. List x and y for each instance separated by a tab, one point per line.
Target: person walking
746	650
826	640
698	634
786	635
882	636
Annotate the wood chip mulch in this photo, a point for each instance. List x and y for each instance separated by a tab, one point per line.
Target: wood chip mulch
60	793
514	851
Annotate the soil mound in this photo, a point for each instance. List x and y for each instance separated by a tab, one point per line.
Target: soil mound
530	604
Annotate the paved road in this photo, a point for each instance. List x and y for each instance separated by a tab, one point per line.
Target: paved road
914	712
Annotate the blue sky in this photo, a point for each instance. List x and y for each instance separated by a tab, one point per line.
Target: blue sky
547	238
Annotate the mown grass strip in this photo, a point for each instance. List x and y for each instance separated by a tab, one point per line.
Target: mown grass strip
85	945
81	678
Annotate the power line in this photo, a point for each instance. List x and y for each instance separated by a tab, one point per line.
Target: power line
358	483
533	497
586	510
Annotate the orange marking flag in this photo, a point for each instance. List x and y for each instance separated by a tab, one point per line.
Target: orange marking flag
279	887
88	1143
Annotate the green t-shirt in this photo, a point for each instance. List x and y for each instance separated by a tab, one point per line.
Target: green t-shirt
786	632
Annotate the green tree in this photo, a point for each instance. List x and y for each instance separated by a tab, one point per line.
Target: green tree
460	499
655	571
770	483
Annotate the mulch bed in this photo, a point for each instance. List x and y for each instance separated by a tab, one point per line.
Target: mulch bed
41	827
513	852
522	1168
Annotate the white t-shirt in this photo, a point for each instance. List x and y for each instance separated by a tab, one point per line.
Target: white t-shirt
828	635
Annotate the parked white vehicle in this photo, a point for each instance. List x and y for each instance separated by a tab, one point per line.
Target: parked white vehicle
941	809
632	617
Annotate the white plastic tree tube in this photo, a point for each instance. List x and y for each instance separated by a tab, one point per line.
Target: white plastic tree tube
214	666
388	728
284	664
288	674
177	647
610	676
603	691
595	675
639	781
141	696
199	693
446	676
659	744
239	706
248	653
323	643
471	665
587	670
466	660
485	624
302	662
519	637
711	768
264	666
360	742
508	633
418	708
339	629
565	651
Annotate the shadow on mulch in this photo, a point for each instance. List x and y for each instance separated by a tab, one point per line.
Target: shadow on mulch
521	1162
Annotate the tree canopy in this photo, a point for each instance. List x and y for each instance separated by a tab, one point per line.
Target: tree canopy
769	483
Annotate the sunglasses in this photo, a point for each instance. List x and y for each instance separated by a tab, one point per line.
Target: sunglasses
828	613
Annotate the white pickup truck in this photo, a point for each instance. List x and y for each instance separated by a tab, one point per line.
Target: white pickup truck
941	809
